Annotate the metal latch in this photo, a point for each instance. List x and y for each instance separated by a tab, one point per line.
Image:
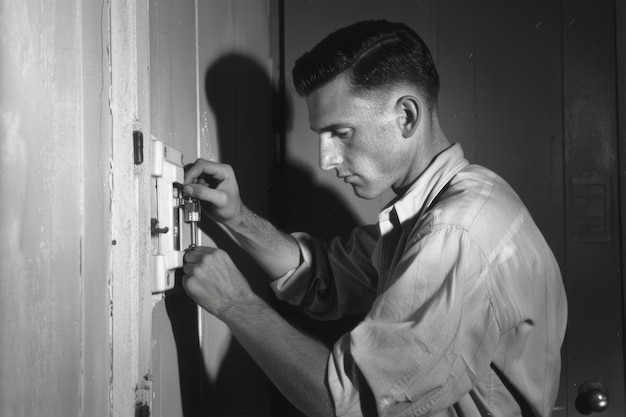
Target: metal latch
170	208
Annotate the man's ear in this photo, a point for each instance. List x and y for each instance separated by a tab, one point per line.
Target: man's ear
410	113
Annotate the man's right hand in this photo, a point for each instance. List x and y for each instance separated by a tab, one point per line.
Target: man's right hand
216	185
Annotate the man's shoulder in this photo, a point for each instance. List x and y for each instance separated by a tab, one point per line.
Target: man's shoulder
476	200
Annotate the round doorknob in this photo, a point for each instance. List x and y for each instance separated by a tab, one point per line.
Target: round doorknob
592	397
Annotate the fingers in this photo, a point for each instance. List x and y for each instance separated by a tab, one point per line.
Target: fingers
200	176
197	253
201	167
193	259
216	197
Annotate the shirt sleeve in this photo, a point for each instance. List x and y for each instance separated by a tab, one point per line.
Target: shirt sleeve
334	279
427	340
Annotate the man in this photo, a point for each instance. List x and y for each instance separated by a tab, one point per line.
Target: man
464	302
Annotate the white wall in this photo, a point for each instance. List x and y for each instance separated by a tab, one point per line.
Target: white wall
54	164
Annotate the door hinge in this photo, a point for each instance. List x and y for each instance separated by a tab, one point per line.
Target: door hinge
138	147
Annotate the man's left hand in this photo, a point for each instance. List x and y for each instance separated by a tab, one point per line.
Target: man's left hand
213	281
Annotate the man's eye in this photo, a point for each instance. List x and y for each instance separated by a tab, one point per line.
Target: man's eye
343	133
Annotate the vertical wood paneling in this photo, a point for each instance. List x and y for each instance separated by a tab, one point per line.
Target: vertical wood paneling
235	105
211	98
173	74
129	276
518	104
142	183
518	109
621	115
173	120
215	37
42	222
595	341
95	262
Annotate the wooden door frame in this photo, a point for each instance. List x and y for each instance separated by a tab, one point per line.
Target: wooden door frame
130	292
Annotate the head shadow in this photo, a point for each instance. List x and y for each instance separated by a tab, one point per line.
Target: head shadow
252	116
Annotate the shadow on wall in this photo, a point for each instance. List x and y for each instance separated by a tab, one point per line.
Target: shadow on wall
250	114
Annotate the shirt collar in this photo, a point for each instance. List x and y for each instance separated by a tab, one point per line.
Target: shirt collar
427	186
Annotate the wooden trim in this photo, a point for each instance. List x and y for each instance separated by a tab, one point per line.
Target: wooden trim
96	242
131	300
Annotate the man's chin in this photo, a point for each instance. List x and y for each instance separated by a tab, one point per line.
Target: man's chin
364	193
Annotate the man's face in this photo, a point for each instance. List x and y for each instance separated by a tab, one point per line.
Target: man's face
361	139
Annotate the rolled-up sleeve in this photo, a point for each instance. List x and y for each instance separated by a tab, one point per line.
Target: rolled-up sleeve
334	279
428	338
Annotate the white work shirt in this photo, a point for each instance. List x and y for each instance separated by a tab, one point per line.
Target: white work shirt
466	310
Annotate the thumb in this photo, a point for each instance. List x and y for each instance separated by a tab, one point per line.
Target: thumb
189	190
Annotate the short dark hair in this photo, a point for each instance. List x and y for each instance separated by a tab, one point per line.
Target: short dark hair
372	54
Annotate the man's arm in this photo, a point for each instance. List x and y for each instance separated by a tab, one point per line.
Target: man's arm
215	184
294	362
275	251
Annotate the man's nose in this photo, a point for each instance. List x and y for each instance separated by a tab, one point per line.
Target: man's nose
330	154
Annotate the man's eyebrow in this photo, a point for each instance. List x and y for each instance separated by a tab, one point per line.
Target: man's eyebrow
328	128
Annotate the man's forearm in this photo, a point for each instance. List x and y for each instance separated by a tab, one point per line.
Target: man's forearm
294	362
276	252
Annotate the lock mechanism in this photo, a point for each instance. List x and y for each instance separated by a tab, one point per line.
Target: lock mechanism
170	209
